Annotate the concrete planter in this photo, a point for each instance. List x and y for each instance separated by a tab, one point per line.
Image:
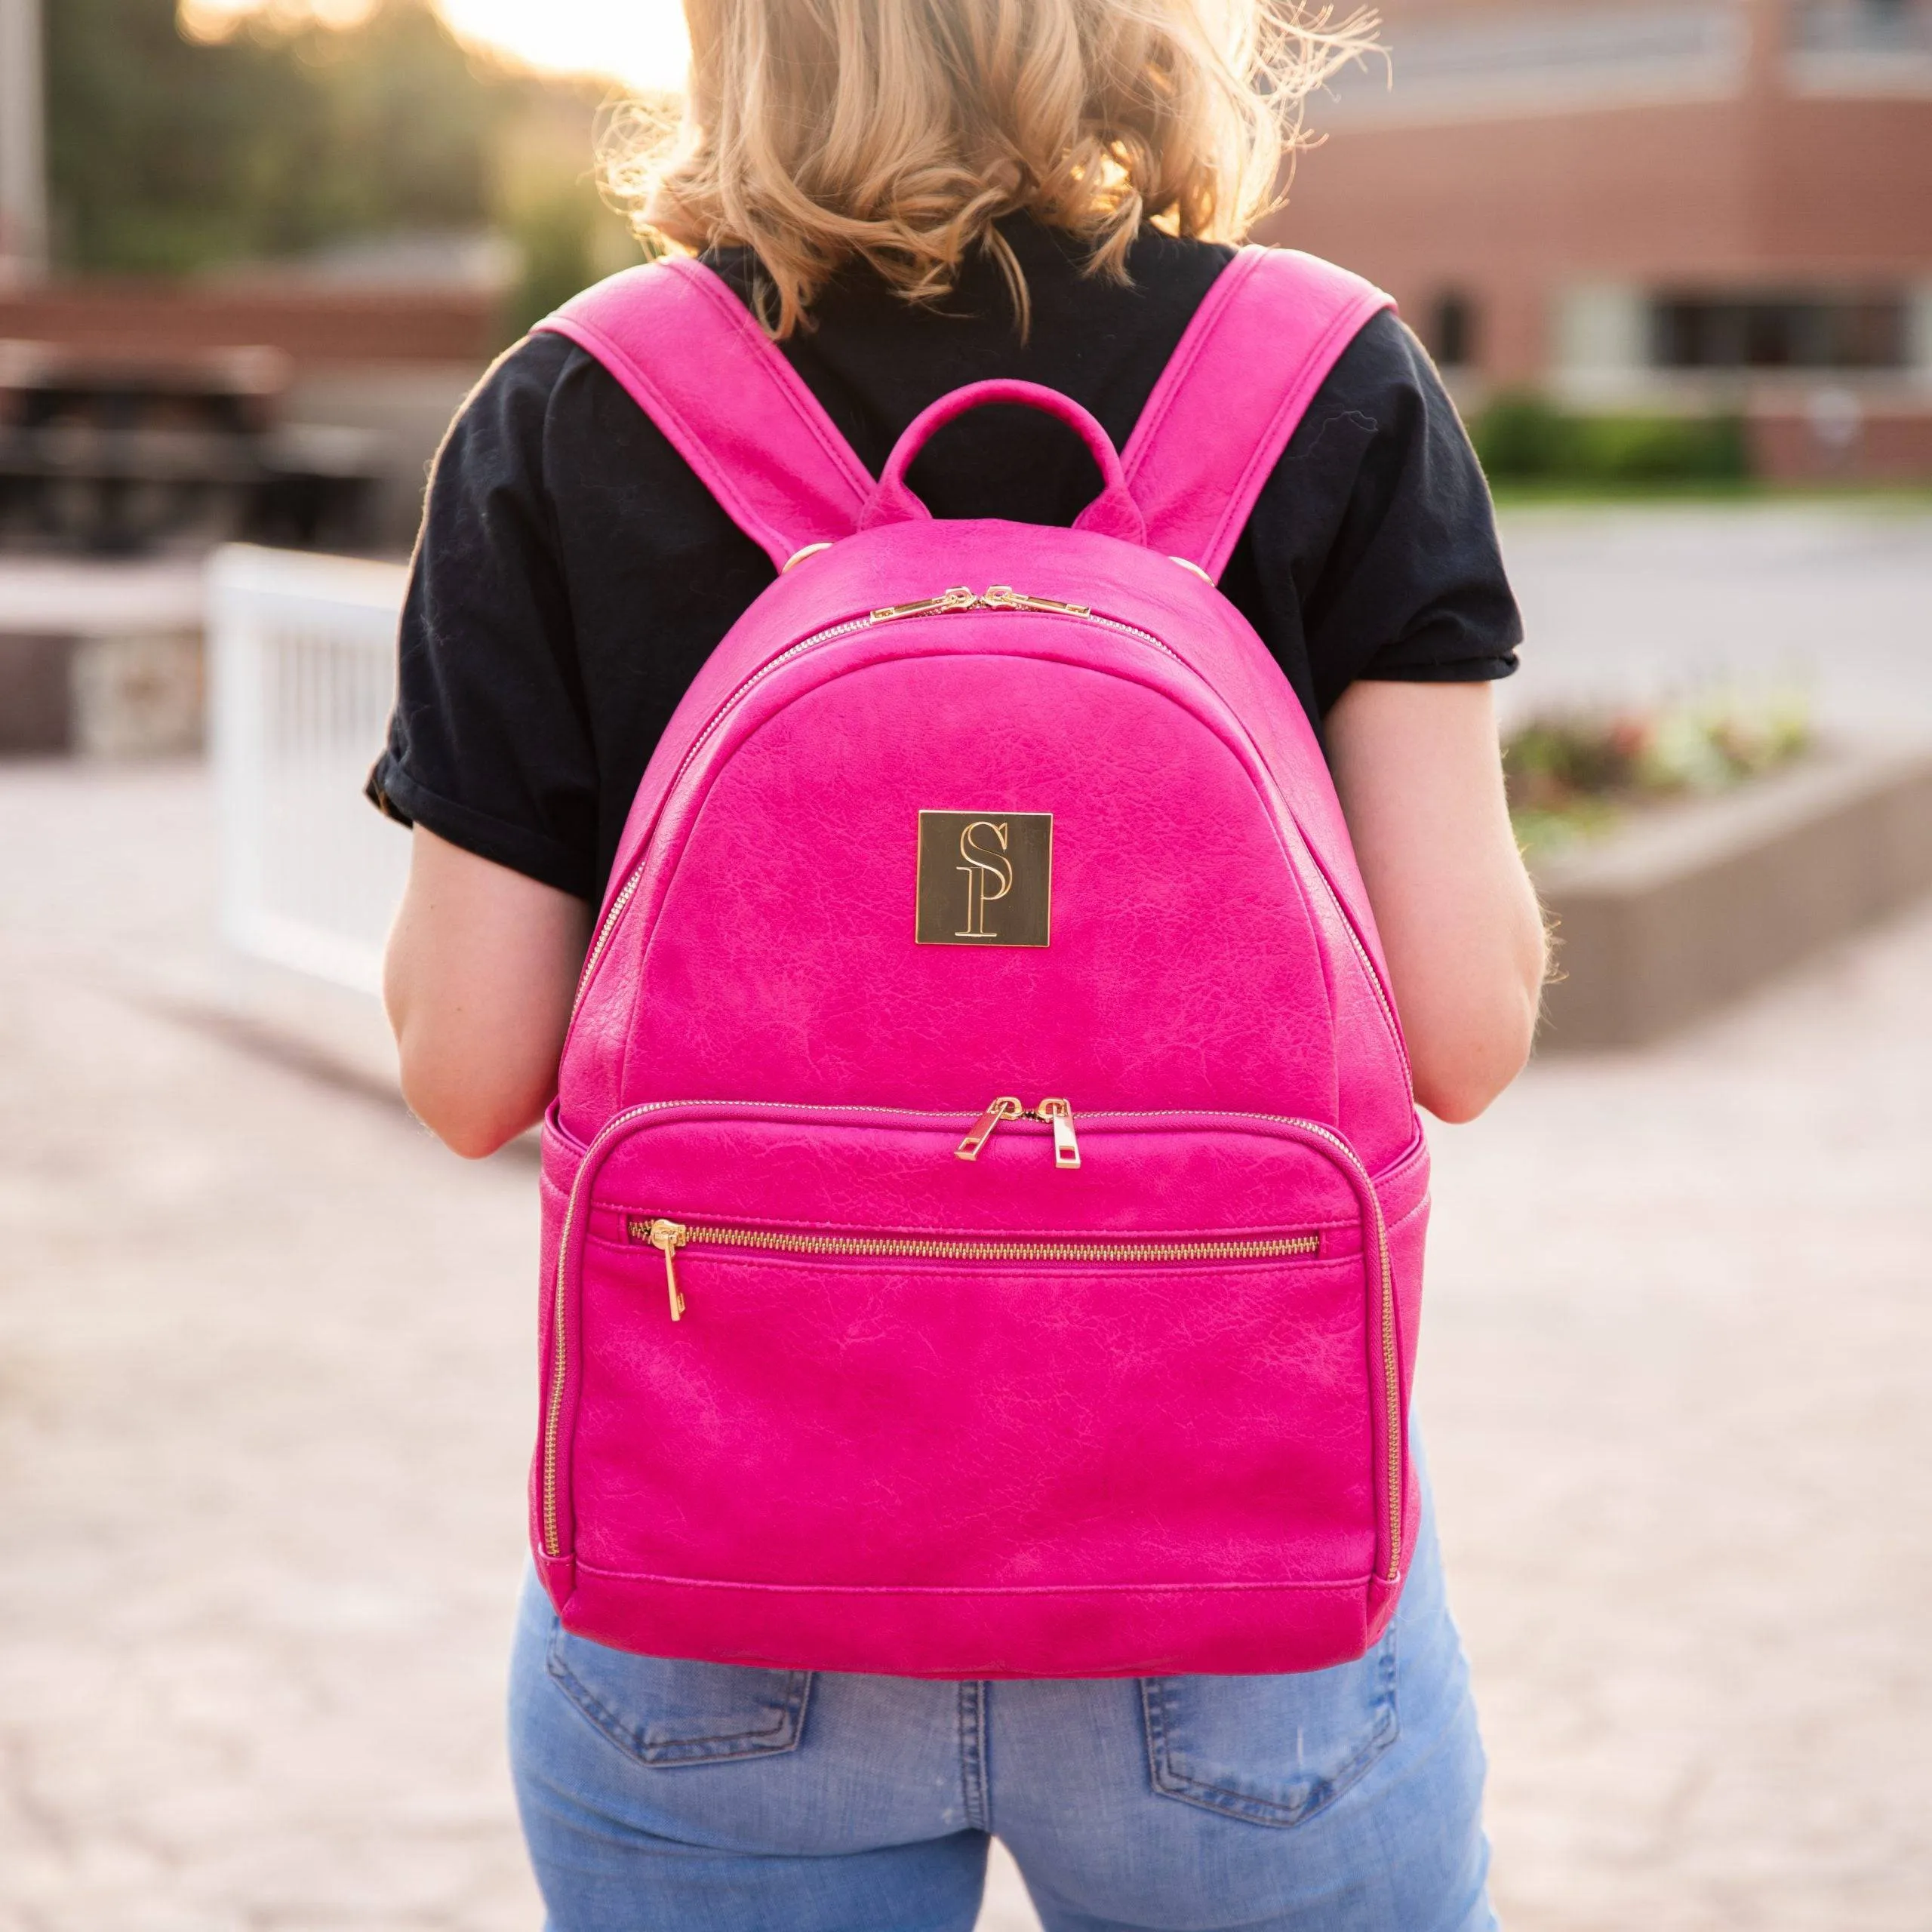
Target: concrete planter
1687	907
135	694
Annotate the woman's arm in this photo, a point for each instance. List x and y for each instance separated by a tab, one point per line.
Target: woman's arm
1421	784
479	977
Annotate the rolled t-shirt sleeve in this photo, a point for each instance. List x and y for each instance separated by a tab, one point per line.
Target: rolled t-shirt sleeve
489	745
1376	537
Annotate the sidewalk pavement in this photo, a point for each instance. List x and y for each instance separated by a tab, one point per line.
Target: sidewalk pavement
266	1387
1670	599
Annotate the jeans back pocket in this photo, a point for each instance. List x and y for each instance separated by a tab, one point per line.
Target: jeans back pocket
667	1711
1271	1750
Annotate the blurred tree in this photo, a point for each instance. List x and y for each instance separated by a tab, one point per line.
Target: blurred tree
168	153
165	154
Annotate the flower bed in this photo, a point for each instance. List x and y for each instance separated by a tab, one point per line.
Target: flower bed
1684	865
1578	776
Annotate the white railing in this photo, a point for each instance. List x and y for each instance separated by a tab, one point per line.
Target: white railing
303	651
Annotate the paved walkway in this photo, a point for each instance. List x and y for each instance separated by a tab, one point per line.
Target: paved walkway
265	1390
1671	599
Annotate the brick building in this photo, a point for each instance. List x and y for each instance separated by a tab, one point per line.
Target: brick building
1673	204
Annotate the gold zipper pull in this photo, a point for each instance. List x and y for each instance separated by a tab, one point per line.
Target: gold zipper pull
958	598
1004	597
1005	1108
669	1237
1066	1149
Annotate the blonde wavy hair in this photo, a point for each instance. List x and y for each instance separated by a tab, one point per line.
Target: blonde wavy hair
896	132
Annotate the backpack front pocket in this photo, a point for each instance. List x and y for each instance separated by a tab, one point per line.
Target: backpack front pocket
811	1349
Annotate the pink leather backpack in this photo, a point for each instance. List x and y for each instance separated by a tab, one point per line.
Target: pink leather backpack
983	1205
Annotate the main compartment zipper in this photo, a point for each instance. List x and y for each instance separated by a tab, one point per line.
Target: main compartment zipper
1057	1114
669	1236
996	597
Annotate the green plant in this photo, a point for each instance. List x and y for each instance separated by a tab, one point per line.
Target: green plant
1663	449
1521	436
1524	438
166	154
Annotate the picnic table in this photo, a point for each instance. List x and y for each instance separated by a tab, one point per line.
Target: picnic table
120	453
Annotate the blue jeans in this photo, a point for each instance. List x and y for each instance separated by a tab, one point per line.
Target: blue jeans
661	1796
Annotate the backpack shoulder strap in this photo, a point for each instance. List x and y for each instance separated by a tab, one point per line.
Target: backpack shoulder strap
695	360
1259	346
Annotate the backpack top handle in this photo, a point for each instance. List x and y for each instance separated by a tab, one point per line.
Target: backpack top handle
1112	513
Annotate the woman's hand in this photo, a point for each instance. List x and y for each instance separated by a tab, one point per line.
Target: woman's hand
1421	779
478	979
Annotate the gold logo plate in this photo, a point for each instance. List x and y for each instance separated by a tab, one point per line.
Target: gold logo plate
986	878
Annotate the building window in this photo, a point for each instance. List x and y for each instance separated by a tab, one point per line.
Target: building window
1452	330
1863	26
1779	332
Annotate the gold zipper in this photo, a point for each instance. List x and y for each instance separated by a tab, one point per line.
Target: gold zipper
996	597
560	1325
958	598
669	1236
1004	597
1057	1114
1007	1107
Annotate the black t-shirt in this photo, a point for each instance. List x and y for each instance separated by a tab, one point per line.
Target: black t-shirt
574	574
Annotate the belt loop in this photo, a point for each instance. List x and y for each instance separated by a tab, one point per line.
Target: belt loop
973	1696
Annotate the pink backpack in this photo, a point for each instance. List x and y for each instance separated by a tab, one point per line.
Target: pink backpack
983	1205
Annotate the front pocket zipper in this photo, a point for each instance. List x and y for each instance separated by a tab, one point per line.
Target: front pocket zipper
668	1236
